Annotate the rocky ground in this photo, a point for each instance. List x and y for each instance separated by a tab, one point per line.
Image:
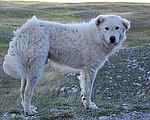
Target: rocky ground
122	116
131	59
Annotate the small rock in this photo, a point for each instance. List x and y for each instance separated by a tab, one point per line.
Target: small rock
125	106
114	115
137	84
13	115
118	76
5	115
140	78
103	118
140	94
71	89
125	81
99	89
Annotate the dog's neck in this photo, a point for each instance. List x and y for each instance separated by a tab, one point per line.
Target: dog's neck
110	49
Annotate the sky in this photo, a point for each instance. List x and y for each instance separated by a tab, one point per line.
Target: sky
78	1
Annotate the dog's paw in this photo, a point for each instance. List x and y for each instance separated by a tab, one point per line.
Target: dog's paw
33	107
91	106
30	112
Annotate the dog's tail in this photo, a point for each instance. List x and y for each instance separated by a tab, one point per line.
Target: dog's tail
13	67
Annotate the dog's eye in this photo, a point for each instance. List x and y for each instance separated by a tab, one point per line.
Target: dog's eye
106	28
117	28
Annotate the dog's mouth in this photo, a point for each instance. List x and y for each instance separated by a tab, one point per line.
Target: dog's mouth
113	44
110	44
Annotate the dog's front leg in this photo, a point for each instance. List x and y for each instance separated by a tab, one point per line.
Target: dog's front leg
86	81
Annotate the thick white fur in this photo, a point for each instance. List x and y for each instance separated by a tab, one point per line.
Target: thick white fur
81	46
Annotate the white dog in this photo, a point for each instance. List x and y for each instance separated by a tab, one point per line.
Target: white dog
84	47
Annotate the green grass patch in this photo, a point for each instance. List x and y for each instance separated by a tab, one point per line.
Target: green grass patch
3	46
59	14
8	28
17	13
3	43
136	42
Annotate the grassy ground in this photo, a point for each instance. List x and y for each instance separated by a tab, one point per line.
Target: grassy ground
122	84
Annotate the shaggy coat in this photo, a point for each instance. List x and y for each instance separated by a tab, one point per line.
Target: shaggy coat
83	47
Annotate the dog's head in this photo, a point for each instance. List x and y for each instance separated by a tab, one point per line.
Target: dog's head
112	29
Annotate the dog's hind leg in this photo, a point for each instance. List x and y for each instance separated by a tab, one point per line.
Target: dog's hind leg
22	89
28	96
35	71
22	92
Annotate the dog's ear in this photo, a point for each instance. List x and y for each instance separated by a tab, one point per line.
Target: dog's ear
99	20
126	24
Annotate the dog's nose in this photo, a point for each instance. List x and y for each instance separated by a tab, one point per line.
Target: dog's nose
112	39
